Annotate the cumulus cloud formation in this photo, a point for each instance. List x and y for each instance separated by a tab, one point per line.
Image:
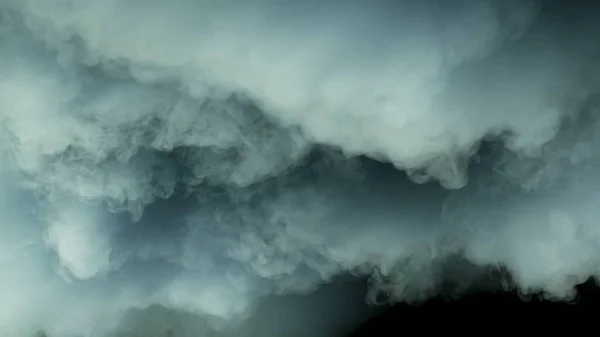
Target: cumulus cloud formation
215	164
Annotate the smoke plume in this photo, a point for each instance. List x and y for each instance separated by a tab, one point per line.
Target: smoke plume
233	166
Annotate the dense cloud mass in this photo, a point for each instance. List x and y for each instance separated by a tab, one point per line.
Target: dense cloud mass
232	166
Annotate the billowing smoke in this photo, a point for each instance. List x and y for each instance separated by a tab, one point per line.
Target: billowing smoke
215	164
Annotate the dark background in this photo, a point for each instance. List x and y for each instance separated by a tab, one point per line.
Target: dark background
503	309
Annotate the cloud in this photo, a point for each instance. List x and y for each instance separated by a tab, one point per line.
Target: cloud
206	158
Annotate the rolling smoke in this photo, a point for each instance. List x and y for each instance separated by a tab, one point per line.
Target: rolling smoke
223	159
